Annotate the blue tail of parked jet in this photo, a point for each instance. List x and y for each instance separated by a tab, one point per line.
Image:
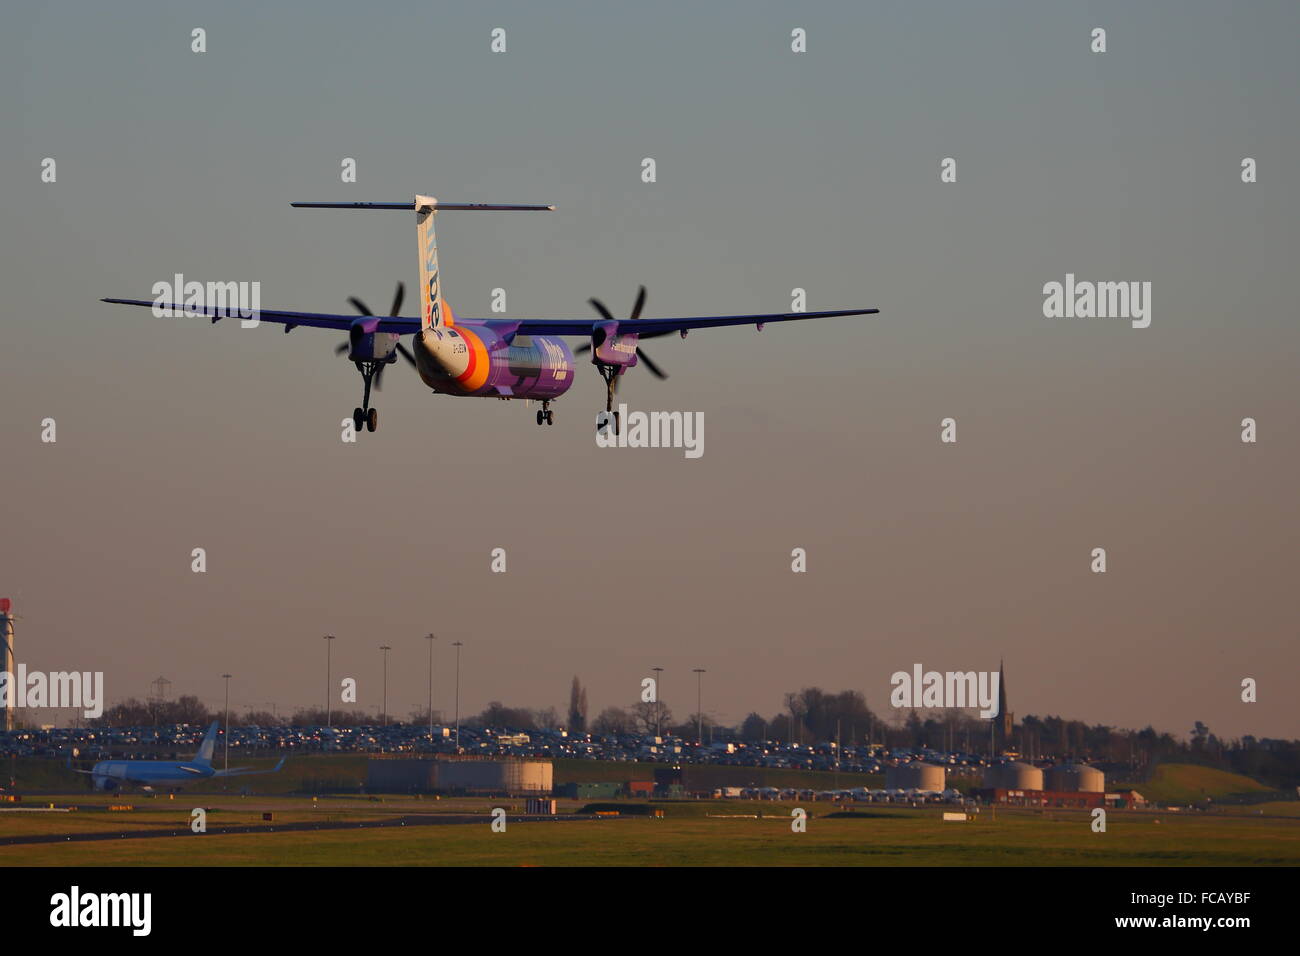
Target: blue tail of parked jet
208	747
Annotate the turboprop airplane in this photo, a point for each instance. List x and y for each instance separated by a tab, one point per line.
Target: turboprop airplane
111	775
496	358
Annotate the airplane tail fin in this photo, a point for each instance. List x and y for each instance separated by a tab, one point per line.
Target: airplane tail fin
430	301
433	310
209	745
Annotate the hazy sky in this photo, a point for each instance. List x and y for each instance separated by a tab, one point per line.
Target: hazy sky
776	170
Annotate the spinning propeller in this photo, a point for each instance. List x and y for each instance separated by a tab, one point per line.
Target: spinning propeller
628	327
364	309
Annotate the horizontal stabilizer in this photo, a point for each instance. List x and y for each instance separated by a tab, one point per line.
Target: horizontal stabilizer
410	206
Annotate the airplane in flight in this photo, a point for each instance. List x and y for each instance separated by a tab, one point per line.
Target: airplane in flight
495	358
112	775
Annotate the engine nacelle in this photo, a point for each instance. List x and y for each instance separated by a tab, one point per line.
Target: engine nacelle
367	344
610	347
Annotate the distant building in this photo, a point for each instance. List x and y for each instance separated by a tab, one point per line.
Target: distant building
1003	796
605	790
507	775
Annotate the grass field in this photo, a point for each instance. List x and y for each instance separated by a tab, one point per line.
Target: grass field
1184	784
1266	832
721	833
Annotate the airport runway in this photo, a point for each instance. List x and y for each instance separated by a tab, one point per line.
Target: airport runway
405	821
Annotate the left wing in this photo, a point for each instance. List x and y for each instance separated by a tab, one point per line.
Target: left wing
647	328
290	320
247	771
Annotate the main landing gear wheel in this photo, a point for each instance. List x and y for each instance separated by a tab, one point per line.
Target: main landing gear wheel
365	416
610	375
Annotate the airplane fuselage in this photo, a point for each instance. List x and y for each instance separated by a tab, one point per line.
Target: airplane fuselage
477	360
111	775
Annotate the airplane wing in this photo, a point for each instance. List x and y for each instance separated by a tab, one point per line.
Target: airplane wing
247	771
646	328
290	320
649	328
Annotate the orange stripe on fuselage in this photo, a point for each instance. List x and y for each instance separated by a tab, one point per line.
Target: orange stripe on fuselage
476	372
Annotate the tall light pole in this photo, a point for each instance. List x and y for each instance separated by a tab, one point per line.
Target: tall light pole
457	645
329	680
659	698
385	648
430	638
699	713
226	677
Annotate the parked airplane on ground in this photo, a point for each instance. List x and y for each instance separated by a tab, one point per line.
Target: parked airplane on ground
501	358
110	775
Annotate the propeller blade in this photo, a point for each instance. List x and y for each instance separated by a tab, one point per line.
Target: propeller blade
397	298
340	348
637	306
655	369
379	377
405	354
360	306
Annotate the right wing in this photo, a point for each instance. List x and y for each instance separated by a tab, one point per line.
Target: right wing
290	320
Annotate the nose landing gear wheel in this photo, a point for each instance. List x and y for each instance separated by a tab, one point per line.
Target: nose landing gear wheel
550	417
540	416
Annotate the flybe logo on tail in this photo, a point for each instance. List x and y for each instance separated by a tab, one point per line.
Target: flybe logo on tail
433	297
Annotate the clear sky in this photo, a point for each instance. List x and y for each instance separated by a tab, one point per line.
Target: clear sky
776	170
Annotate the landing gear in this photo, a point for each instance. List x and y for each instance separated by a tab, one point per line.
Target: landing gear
365	416
545	415
609	373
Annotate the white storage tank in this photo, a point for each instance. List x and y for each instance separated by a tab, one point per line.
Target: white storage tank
1076	778
501	775
916	776
1013	776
